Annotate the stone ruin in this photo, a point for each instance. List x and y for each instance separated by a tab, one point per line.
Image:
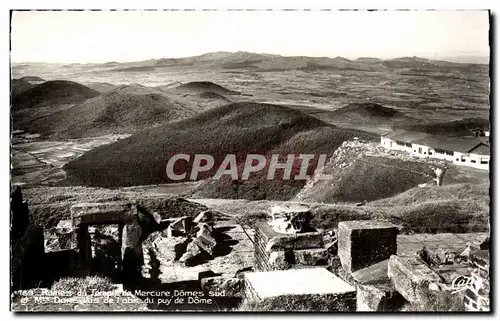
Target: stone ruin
184	242
287	240
353	268
184	239
367	251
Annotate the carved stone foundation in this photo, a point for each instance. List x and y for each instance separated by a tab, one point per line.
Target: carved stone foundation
279	251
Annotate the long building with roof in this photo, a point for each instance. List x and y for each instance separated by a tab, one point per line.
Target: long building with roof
467	151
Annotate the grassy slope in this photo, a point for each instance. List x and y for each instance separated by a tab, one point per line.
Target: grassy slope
453	208
458	208
320	140
367	172
371	178
239	128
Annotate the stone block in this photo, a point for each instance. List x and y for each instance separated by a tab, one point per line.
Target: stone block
373	274
311	289
290	218
206	243
131	235
411	277
204	217
60	239
204	229
65	224
224	286
372	298
132	253
275	241
278	261
182	224
374	289
311	257
363	243
193	255
103	213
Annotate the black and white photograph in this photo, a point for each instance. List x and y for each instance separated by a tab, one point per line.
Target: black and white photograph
243	160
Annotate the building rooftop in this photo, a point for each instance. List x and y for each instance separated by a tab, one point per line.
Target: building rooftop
480	145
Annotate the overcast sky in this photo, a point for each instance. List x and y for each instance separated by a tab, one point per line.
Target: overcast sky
100	36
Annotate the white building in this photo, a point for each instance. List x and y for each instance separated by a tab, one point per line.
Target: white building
470	151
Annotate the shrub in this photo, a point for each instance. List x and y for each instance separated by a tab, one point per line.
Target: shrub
84	285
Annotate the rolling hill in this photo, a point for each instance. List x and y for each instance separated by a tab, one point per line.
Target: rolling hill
54	92
204	86
18	86
459	128
367	110
34	80
239	128
113	112
270	62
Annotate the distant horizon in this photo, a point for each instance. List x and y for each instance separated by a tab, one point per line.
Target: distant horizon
464	58
130	36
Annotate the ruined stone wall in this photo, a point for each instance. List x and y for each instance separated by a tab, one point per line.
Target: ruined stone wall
477	294
277	251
